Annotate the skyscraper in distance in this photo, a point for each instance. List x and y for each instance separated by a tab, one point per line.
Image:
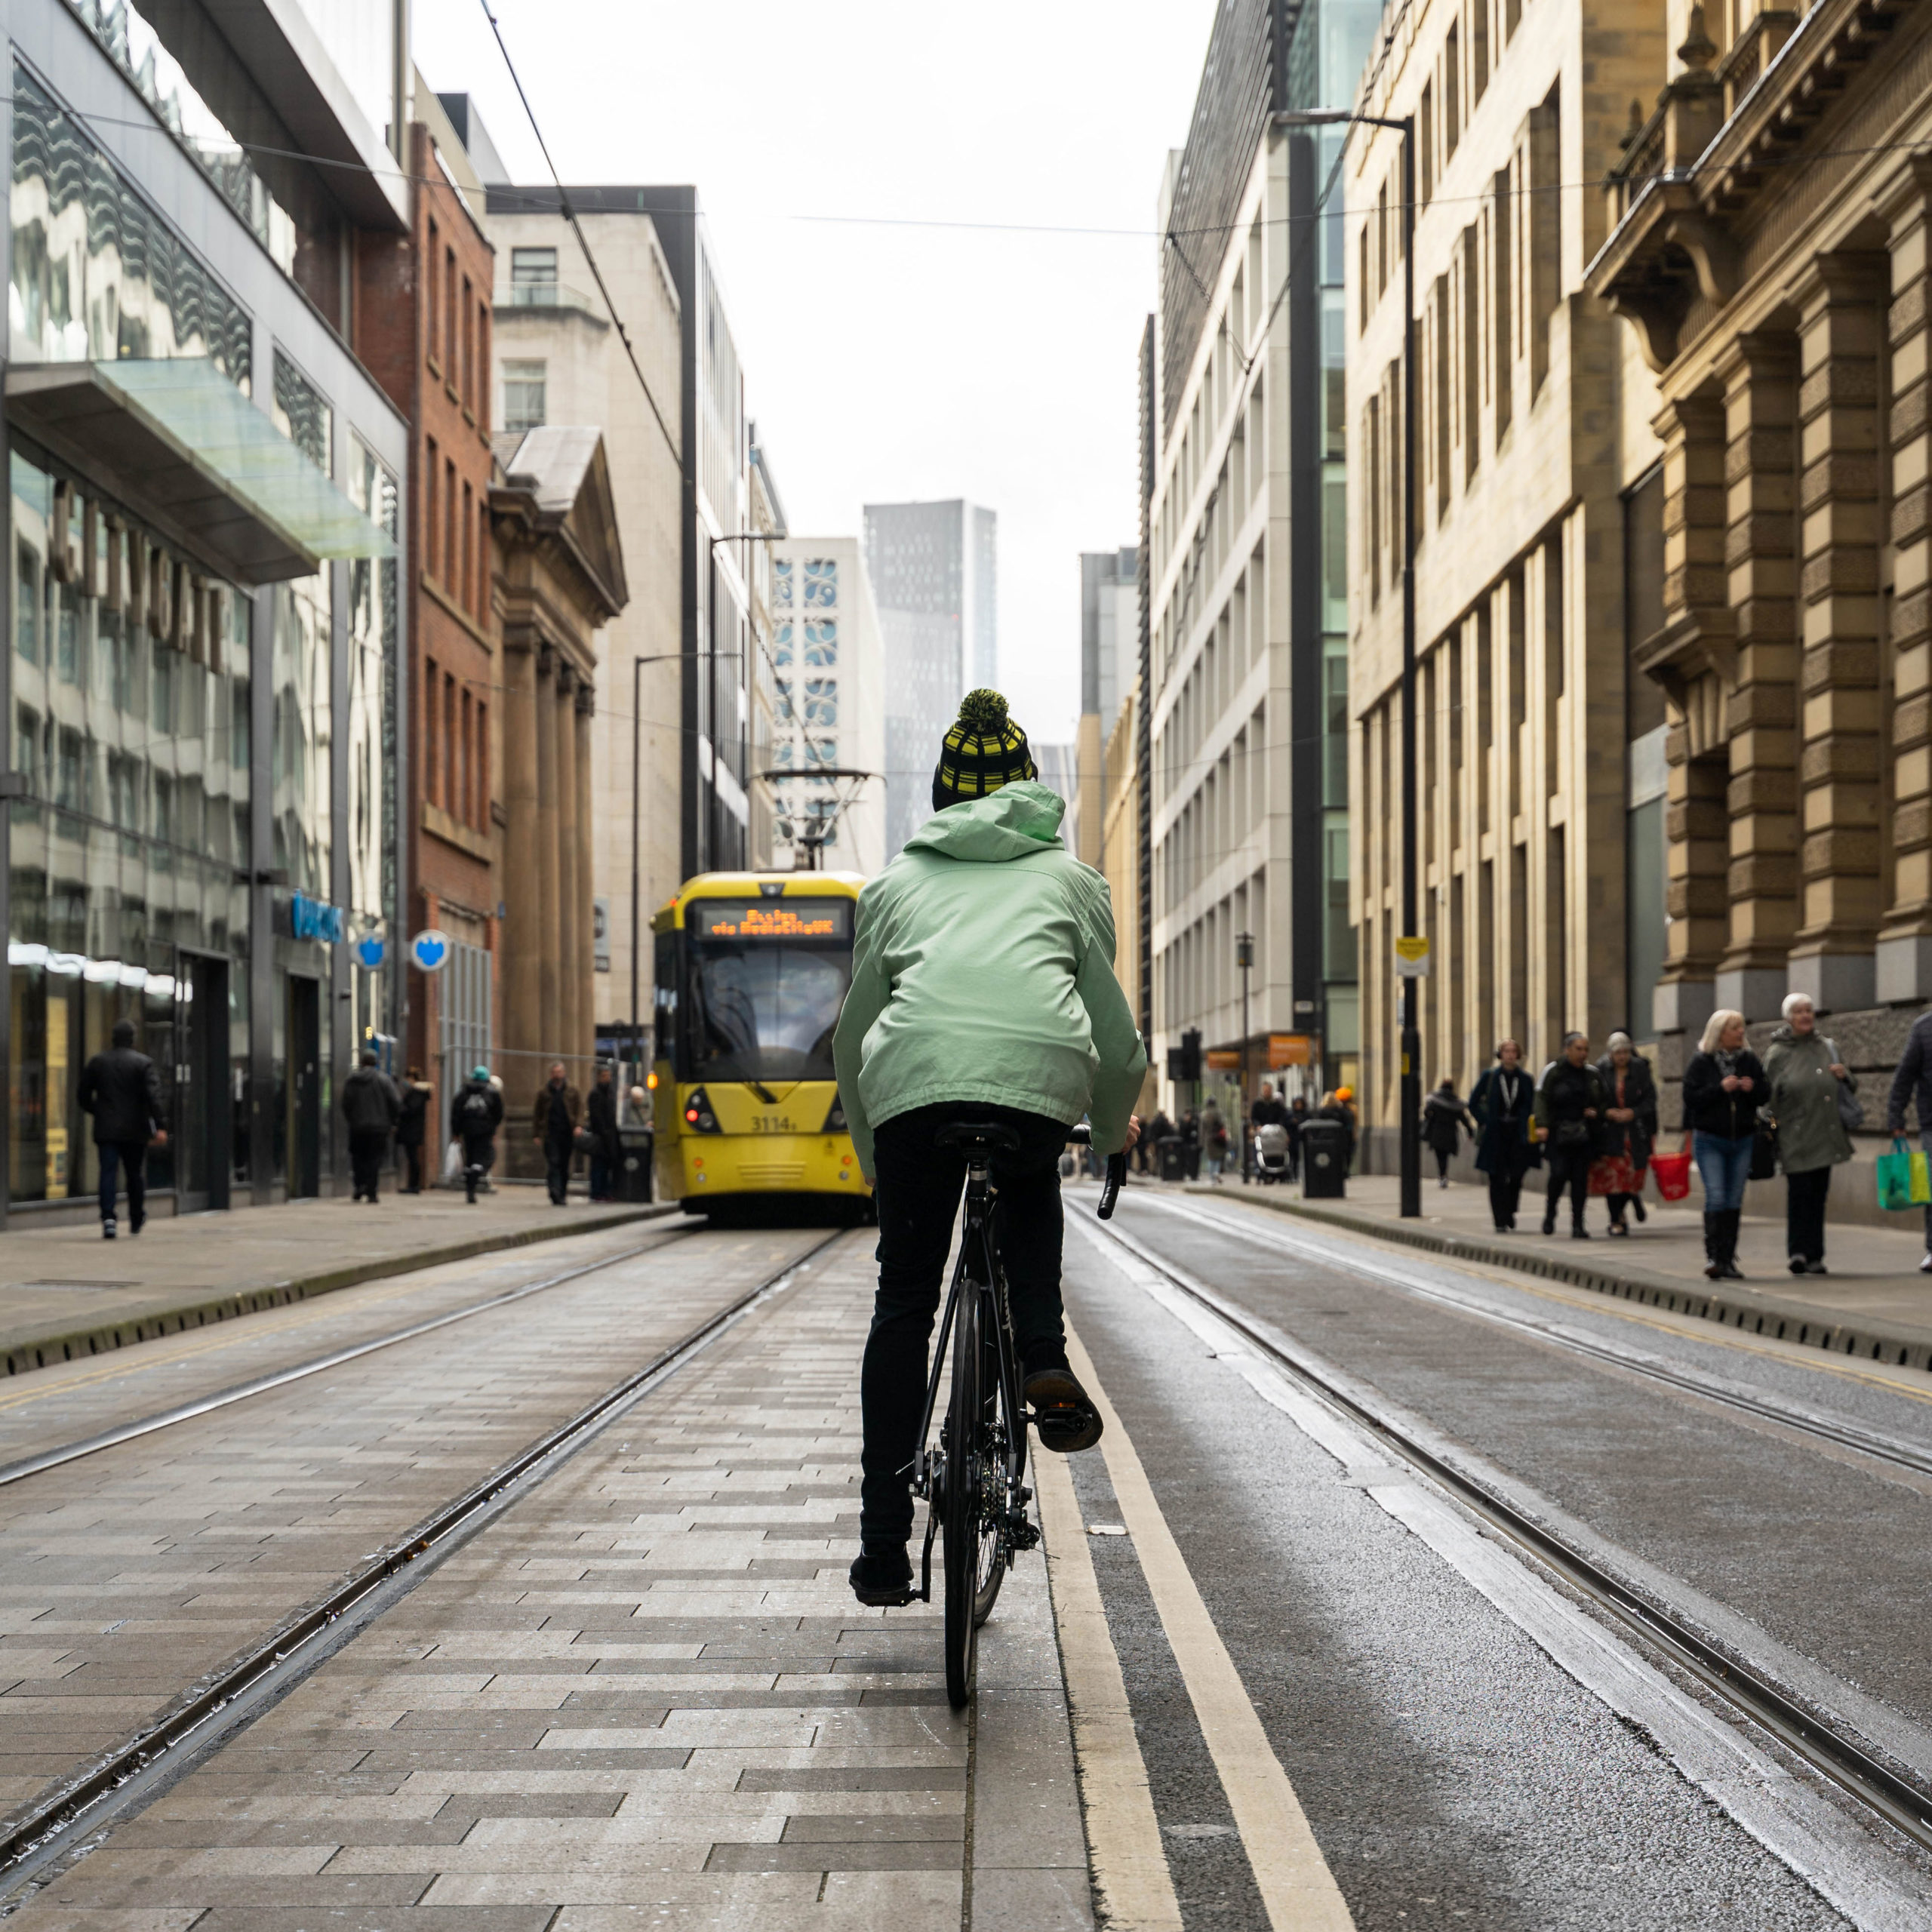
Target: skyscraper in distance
934	571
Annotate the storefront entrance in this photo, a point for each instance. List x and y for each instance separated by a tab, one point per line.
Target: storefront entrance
203	1113
305	1087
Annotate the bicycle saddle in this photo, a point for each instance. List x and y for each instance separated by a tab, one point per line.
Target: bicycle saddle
978	1137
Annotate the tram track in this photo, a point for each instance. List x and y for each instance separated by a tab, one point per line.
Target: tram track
20	1470
1837	1430
1874	1782
215	1706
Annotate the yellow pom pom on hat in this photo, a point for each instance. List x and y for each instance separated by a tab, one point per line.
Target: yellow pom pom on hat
983	750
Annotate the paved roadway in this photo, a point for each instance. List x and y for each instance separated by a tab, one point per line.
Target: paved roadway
1299	1687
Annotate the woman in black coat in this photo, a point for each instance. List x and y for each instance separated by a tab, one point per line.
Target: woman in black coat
1503	1104
1444	1118
1629	1121
1724	1086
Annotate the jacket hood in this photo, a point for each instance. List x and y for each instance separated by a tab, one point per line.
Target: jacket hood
1015	821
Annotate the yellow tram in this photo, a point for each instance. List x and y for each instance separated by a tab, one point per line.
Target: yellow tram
750	970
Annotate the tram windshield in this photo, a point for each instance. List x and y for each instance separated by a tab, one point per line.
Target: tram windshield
766	979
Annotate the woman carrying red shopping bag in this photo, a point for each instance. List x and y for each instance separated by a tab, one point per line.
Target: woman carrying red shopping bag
1629	1131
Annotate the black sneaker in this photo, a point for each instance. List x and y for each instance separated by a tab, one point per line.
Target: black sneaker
882	1579
107	1228
1064	1418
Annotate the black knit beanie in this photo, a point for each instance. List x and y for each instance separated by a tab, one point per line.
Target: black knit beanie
983	750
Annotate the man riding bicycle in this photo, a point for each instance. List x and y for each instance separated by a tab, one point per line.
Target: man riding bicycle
983	989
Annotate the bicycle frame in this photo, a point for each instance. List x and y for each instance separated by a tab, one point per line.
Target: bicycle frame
975	1240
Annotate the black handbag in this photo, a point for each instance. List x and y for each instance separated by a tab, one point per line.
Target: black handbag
1765	1145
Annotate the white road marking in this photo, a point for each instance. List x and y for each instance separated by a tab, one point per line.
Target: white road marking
1136	1890
1296	1887
1848	1867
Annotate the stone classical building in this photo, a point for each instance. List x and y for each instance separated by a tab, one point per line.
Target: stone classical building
1767	244
1534	744
560	580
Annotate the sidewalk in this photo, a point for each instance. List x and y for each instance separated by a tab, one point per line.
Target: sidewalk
65	1292
1874	1303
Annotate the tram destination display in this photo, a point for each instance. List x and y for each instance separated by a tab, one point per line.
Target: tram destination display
790	919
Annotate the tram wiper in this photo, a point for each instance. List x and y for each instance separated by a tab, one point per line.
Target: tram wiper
764	1092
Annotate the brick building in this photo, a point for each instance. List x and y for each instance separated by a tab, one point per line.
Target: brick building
427	340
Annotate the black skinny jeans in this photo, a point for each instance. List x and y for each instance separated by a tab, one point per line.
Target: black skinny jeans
1804	1196
917	1195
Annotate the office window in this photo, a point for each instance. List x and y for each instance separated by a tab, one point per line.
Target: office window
466	584
432	470
450	580
533	267
465	803
482	364
483	561
449	753
432	751
450	328
431	301
1452	93
482	766
524	383
466	380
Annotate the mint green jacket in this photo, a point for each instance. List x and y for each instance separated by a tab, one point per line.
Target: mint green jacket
982	969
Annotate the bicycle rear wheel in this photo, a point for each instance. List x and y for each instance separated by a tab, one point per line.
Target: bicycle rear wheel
963	1522
1004	1440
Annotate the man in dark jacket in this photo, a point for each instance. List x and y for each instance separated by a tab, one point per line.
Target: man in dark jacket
559	1107
122	1090
1912	1086
1570	1108
414	1128
476	1114
1297	1120
601	1114
372	1107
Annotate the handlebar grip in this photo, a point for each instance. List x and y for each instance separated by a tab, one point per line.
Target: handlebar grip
1110	1189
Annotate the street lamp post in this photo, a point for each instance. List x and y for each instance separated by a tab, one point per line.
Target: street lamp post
1244	959
1410	1091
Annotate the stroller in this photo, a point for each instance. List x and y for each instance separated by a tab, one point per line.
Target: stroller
1271	1153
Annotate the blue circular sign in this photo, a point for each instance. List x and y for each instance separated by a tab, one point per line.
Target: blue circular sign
370	950
429	951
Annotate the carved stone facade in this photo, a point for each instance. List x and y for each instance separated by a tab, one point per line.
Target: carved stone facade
1768	247
560	579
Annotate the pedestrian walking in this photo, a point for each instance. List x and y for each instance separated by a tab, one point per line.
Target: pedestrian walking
1569	1110
1504	1104
1810	1088
476	1114
412	1128
1338	1106
1912	1086
1213	1140
601	1115
1630	1127
1445	1117
372	1107
554	1118
122	1090
1190	1144
1724	1086
1147	1149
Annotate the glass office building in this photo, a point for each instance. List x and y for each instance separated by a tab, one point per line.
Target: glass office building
201	681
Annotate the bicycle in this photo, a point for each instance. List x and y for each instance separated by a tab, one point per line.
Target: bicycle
971	1481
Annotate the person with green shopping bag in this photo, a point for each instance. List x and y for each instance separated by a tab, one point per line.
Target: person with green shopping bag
1912	1086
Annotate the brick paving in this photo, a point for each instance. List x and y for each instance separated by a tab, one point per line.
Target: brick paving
126	1576
644	1697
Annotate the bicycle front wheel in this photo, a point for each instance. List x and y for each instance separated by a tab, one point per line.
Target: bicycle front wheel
963	1523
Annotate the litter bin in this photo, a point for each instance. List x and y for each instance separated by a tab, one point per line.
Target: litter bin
1324	1165
633	1177
1173	1158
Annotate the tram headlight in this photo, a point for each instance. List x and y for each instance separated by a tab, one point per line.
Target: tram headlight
698	1116
834	1121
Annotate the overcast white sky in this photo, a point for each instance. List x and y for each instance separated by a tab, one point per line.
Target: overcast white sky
886	363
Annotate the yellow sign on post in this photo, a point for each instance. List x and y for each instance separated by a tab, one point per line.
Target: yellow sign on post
1412	959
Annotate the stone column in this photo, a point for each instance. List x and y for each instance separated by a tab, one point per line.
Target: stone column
570	940
1904	942
1761	421
586	1040
523	863
1698	620
1841	320
544	940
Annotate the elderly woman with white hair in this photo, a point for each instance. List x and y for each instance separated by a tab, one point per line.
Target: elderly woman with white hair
1630	1127
1723	1087
1810	1089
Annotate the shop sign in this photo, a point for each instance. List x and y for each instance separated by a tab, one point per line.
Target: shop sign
310	918
371	950
1289	1049
1224	1060
429	950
